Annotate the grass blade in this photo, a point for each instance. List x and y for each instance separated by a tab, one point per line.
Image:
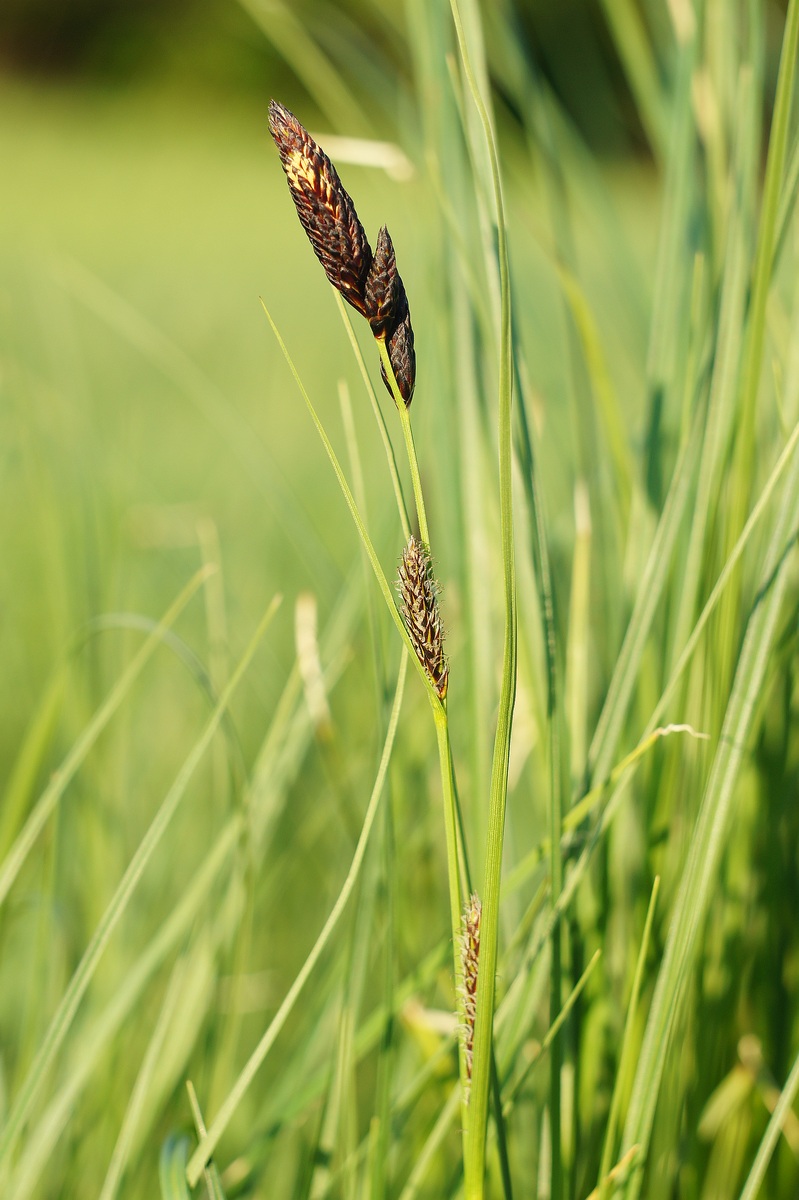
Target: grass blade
61	778
209	1143
771	1136
65	1013
172	1169
711	829
484	1023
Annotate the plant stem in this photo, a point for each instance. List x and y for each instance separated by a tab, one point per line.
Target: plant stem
455	896
407	433
444	748
489	934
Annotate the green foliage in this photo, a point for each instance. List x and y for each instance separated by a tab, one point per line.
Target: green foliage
222	854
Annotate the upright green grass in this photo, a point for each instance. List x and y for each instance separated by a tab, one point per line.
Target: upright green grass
608	484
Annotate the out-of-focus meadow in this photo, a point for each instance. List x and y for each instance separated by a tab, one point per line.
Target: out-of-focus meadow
163	880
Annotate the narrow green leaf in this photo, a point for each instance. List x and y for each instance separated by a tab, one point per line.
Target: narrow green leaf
172	1168
63	776
484	1024
772	1134
711	829
209	1143
68	1007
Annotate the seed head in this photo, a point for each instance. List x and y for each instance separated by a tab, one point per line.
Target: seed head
390	317
470	956
323	206
402	354
419	596
384	288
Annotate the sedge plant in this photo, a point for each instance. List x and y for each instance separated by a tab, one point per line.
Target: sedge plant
372	285
629	1026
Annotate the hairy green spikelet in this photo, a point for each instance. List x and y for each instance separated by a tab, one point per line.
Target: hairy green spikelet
325	209
419	595
470	958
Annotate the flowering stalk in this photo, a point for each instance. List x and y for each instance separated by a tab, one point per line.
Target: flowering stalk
372	285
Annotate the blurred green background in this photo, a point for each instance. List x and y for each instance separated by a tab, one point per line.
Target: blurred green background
148	424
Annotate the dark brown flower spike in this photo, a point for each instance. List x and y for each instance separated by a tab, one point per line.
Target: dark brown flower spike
419	596
470	961
384	289
402	355
389	315
372	285
323	206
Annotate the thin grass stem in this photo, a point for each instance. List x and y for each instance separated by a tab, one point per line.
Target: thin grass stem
483	1037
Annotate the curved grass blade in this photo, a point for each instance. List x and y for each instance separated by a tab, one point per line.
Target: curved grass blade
209	1143
142	1085
40	1142
263	469
771	1136
764	259
711	828
385	437
172	1168
29	758
212	1180
65	1013
374	561
66	772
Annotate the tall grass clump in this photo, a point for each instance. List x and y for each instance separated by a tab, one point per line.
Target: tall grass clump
540	583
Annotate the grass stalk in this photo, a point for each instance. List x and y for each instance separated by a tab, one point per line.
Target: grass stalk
474	1165
604	1184
441	720
374	561
407	433
770	1138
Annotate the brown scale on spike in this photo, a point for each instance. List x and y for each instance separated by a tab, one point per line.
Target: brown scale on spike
470	961
325	209
419	596
402	356
389	315
384	288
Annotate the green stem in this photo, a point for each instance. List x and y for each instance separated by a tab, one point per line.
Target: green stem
489	933
378	413
455	896
407	433
442	735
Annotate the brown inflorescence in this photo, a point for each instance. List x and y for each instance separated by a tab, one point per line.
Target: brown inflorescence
325	209
371	284
419	595
470	959
384	287
402	355
389	315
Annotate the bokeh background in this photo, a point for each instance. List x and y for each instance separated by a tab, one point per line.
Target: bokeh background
149	424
